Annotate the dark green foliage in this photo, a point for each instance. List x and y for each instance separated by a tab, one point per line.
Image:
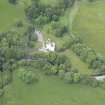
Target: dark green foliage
61	59
27	76
102	84
61	74
87	54
50	70
41	14
1	81
59	29
91	81
57	59
19	23
91	0
6	78
99	63
13	1
37	11
1	63
68	43
66	3
85	79
29	37
52	58
47	69
69	77
94	83
76	78
72	77
1	92
55	63
10	39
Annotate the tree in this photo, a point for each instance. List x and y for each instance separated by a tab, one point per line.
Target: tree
27	76
61	59
59	29
50	69
84	54
85	80
51	58
1	92
77	48
76	78
68	77
47	69
94	83
61	74
13	1
1	82
19	23
91	56
54	70
68	44
66	3
99	63
102	84
1	64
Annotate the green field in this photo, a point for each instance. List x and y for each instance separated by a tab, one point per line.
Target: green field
77	63
9	14
90	24
52	91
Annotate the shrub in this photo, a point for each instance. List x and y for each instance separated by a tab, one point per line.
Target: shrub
7	78
1	83
61	74
1	92
47	69
50	70
19	24
27	76
13	1
54	70
68	77
94	83
51	58
85	80
59	29
76	78
68	44
102	84
61	59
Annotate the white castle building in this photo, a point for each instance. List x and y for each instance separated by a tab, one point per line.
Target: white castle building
100	77
46	45
49	45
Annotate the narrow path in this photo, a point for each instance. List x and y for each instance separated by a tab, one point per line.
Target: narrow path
40	37
73	14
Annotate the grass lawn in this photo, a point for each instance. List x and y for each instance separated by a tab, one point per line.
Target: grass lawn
49	2
90	24
9	14
77	63
52	91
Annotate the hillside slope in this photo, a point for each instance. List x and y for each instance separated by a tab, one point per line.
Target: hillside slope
90	24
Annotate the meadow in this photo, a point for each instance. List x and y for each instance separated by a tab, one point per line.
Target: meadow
52	91
9	14
89	23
